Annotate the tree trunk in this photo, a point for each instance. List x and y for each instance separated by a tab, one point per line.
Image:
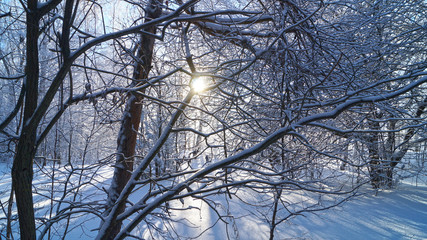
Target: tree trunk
375	165
126	140
398	156
381	170
22	170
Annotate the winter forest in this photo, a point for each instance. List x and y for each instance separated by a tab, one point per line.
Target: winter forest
138	119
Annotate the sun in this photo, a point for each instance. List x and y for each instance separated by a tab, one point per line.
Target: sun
199	84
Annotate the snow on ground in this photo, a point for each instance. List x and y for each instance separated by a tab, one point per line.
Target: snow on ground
395	214
400	213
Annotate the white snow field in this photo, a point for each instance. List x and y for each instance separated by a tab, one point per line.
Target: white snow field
394	214
400	213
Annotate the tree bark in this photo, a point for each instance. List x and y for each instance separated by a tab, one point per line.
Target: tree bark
127	137
22	170
375	165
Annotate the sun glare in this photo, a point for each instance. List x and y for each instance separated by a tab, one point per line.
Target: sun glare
199	84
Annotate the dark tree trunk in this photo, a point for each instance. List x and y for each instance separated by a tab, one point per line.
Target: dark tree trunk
126	141
375	165
22	170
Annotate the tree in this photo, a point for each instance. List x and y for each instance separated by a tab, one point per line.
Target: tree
127	137
33	111
283	80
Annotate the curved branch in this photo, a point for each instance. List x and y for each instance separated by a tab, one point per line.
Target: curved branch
13	77
82	97
15	110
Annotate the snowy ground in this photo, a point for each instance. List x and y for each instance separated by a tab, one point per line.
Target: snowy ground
393	214
397	214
